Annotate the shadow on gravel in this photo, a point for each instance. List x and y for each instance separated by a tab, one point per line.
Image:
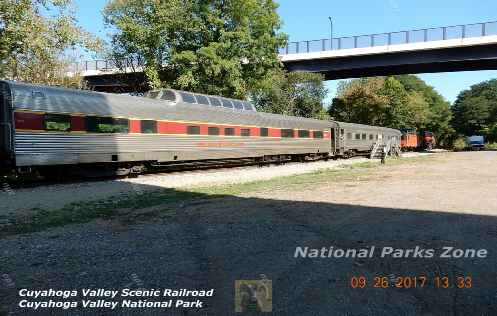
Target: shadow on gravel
197	241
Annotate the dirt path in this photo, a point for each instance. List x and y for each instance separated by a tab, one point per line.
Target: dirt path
461	183
448	202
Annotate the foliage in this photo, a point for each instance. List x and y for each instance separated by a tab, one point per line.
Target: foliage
438	119
491	146
216	47
294	93
398	102
475	110
459	144
35	36
379	101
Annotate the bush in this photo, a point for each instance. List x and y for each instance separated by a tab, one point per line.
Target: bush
459	144
491	146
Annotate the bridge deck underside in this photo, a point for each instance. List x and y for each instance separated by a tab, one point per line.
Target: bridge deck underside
483	57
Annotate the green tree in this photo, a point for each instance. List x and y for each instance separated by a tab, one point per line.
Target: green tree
438	114
222	47
294	93
35	36
399	102
379	101
475	110
359	101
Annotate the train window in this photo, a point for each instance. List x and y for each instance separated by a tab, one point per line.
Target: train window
349	135
364	136
342	132
376	136
317	134
264	132
213	131
229	131
238	104
168	95
245	132
106	125
193	130
247	106
357	136
114	125
371	136
57	122
287	133
202	99
227	103
148	127
91	124
215	101
187	97
153	94
303	133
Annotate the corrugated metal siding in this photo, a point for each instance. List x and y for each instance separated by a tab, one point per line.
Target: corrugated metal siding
366	144
54	148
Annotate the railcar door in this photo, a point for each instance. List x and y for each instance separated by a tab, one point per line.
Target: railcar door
5	125
339	140
333	133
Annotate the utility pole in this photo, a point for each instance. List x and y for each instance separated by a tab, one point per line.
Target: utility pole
331	32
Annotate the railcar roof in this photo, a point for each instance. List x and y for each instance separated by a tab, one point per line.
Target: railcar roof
62	100
363	126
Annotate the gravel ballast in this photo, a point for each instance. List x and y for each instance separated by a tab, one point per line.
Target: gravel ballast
56	196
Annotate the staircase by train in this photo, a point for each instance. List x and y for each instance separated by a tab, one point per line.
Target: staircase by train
380	150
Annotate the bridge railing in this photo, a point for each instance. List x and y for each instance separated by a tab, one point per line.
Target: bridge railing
392	38
105	65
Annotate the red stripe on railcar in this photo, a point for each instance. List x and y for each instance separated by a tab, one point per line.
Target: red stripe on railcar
26	120
255	131
203	128
78	124
171	128
237	130
274	132
135	126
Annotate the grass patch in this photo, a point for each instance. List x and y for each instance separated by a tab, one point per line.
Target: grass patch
86	211
169	199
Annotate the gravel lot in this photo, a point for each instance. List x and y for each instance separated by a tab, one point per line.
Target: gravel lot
449	200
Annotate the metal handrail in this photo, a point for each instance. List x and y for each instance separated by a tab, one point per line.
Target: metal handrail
376	145
407	38
388	147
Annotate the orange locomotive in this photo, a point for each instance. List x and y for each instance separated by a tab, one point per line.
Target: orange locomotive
417	140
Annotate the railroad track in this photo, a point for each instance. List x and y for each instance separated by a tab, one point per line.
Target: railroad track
204	166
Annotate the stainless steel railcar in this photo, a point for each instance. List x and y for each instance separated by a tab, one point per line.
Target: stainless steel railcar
43	127
356	139
46	126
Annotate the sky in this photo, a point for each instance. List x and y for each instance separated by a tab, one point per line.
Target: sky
307	20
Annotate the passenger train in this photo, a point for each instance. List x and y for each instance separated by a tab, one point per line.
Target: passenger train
47	128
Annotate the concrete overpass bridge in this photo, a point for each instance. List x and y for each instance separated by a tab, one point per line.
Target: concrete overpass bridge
442	49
